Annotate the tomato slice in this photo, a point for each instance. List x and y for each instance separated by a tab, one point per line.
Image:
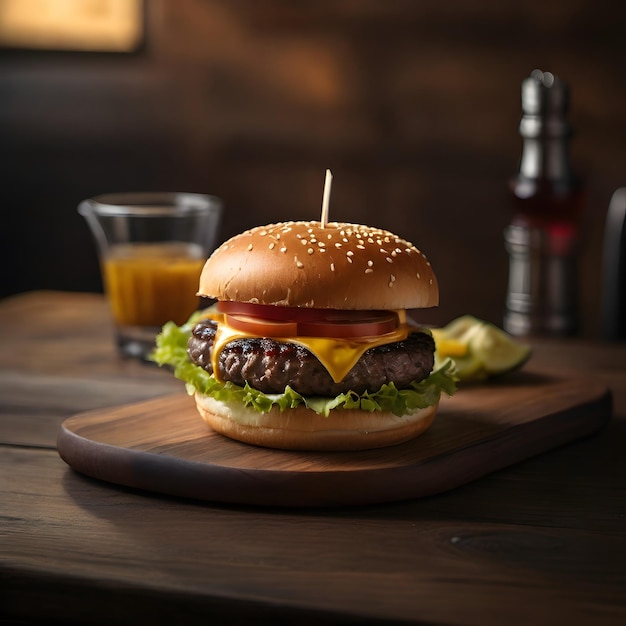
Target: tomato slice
268	311
274	321
379	324
298	314
262	327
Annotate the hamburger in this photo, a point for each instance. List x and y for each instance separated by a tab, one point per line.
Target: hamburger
309	345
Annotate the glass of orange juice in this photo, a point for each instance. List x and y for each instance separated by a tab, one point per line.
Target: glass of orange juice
152	247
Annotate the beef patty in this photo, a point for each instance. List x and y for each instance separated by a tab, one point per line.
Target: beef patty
269	365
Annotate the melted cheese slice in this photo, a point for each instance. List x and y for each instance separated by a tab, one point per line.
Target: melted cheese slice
337	355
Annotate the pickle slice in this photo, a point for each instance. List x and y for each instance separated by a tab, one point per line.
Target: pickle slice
469	368
497	350
461	328
478	349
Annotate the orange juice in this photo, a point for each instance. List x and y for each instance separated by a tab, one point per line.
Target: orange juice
150	284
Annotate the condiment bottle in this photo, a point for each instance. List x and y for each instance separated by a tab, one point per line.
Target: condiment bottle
542	238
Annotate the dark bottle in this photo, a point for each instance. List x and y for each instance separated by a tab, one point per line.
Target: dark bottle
542	238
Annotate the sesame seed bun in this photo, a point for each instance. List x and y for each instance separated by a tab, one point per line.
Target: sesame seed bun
303	429
338	266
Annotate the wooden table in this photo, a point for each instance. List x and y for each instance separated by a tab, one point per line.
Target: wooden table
542	542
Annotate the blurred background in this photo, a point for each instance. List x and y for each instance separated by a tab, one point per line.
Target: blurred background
413	105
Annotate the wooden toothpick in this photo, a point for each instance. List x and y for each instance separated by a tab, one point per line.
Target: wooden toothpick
328	182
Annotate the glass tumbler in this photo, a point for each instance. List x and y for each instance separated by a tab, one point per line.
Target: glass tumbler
152	248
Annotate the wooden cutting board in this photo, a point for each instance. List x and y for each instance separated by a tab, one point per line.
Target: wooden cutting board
163	446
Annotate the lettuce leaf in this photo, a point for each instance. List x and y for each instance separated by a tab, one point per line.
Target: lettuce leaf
171	351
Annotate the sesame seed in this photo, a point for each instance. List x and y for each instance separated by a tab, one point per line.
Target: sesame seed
384	251
272	245
392	278
250	247
263	233
418	275
283	249
329	236
321	244
369	270
299	264
345	240
332	267
304	242
338	245
349	259
310	250
360	247
430	281
370	263
389	259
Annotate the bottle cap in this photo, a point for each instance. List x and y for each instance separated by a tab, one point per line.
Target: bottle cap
545	102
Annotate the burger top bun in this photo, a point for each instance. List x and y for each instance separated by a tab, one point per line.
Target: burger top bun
338	266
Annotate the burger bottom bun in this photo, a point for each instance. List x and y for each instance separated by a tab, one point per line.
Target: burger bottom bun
304	429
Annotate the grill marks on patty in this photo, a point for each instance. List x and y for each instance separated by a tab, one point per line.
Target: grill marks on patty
269	365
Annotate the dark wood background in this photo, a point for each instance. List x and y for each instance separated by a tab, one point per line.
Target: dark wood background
413	105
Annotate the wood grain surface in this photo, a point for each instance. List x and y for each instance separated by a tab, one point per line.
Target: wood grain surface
162	445
540	542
